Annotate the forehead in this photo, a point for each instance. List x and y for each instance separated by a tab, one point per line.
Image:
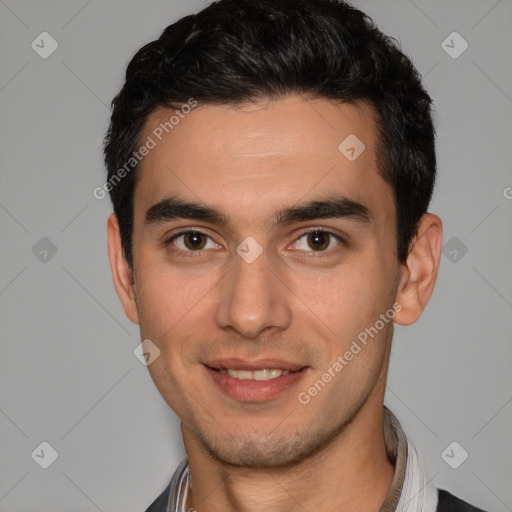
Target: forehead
250	160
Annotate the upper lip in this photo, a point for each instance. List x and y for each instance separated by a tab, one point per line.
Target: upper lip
235	363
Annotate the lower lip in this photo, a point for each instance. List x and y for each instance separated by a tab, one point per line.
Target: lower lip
254	390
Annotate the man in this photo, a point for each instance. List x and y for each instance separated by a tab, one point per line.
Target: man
270	164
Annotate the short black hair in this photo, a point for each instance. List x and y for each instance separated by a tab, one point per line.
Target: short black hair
241	51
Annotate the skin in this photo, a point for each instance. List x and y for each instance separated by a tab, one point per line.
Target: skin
294	302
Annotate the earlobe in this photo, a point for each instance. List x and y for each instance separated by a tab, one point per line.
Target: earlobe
121	272
420	271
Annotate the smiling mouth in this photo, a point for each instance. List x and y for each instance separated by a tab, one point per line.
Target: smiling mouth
264	374
255	381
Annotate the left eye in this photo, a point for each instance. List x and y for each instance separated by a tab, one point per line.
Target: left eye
318	241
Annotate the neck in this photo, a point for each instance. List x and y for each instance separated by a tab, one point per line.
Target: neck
351	473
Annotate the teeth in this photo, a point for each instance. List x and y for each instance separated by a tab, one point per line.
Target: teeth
265	374
240	374
262	375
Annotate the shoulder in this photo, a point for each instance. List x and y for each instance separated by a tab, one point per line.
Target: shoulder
447	502
160	504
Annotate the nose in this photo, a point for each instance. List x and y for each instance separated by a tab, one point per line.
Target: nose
253	299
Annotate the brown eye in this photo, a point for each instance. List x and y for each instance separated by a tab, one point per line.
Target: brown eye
194	240
319	240
190	242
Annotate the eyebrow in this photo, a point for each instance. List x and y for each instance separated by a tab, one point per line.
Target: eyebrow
333	207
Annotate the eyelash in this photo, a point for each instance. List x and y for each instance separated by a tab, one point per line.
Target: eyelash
199	253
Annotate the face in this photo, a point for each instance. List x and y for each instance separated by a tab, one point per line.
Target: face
262	252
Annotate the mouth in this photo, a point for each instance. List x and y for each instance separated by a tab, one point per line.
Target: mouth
260	375
254	381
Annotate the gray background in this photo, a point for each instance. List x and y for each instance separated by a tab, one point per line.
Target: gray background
68	373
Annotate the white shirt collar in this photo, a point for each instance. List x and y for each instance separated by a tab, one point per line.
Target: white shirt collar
409	491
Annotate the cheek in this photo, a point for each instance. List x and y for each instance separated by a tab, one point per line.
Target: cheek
345	301
167	295
176	311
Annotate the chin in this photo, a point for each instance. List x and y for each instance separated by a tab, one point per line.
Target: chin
258	450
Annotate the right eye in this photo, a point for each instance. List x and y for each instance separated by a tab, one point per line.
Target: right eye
190	241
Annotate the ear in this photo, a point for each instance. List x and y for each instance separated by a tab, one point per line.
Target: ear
121	272
419	273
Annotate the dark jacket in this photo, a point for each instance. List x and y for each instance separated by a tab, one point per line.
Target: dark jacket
449	503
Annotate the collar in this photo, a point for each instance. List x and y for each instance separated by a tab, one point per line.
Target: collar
409	491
